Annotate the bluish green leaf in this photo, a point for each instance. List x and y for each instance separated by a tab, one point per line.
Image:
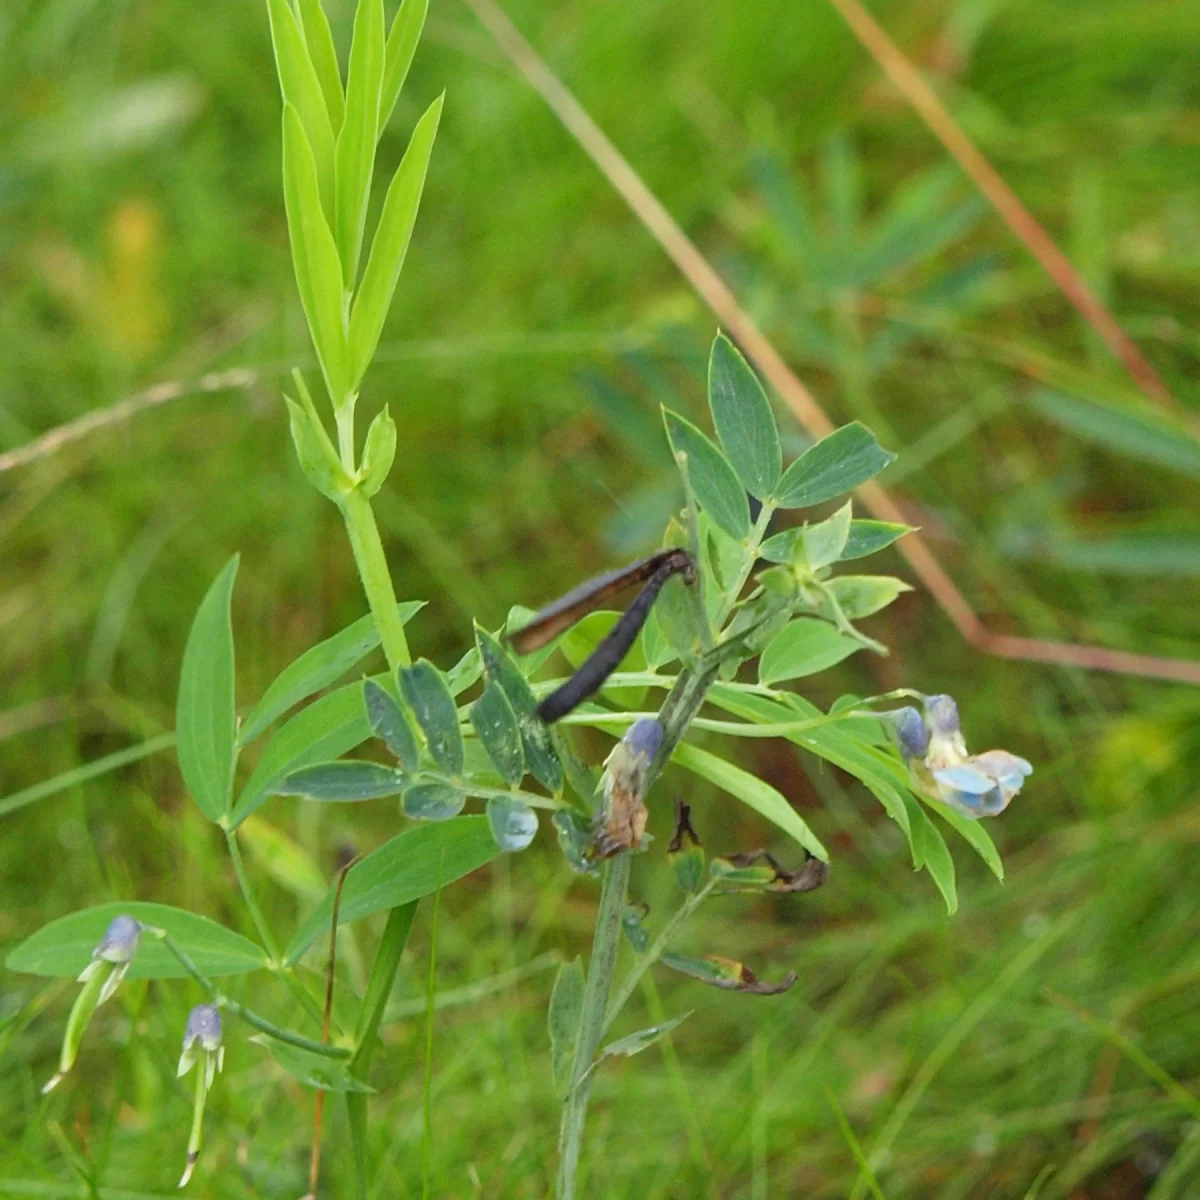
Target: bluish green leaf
314	255
743	419
433	802
825	541
514	824
861	595
566	1009
326	729
497	729
1132	433
312	1070
465	673
413	864
401	46
389	723
866	537
323	54
302	89
317	668
428	696
354	157
344	781
713	479
540	757
64	947
835	465
574	837
205	720
803	647
750	790
390	245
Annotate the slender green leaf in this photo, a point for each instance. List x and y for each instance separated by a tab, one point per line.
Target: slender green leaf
324	730
1132	433
929	847
345	781
643	1039
803	647
401	46
205	719
413	864
282	858
392	236
974	833
540	756
861	595
323	54
1150	553
836	464
81	774
566	1010
496	726
428	696
312	1070
302	89
389	723
64	947
743	419
757	793
713	480
354	157
514	824
317	668
315	256
825	541
866	537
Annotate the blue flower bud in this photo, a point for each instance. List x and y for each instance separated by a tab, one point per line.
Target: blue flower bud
908	730
644	737
942	714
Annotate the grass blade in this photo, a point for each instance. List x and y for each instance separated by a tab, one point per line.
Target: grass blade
401	46
323	55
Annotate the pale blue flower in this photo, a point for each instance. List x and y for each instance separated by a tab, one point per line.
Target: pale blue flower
976	785
201	1039
115	950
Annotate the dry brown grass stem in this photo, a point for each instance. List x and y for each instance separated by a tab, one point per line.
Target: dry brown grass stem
729	313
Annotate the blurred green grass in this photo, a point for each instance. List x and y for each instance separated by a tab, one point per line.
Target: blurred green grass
142	238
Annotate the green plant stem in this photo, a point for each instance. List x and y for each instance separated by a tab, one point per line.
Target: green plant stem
256	914
605	943
681	704
376	579
653	953
240	1010
749	559
379	988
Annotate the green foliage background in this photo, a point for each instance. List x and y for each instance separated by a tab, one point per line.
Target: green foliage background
535	332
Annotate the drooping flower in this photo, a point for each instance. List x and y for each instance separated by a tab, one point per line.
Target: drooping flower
113	954
110	960
932	745
201	1040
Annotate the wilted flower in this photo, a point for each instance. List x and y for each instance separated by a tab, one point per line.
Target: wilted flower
201	1039
976	785
110	960
621	821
